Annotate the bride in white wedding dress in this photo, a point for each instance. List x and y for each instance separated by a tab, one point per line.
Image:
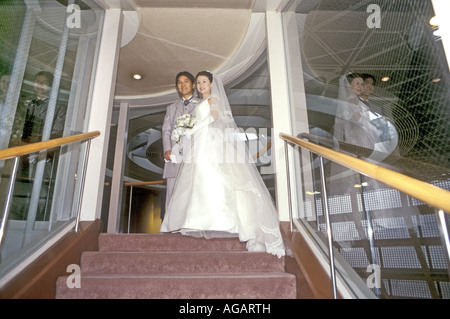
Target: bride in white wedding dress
219	191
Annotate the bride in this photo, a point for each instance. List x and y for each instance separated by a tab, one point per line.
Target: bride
219	191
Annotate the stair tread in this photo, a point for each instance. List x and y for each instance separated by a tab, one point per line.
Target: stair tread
229	286
191	262
173	252
166	242
223	275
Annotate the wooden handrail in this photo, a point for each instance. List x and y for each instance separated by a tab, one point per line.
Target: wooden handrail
40	146
432	195
265	149
144	183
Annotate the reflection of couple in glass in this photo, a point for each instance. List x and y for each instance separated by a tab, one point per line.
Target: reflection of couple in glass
218	191
356	123
359	122
352	122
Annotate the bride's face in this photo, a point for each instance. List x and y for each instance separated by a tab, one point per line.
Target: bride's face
357	85
203	85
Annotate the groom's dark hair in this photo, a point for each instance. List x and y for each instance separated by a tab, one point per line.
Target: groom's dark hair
186	74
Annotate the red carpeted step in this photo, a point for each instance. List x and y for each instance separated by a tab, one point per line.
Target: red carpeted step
165	242
201	286
181	262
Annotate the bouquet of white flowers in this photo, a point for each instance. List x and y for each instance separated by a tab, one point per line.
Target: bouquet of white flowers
182	126
184	123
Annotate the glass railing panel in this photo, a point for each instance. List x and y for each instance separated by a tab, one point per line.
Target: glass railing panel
386	244
47	62
44	200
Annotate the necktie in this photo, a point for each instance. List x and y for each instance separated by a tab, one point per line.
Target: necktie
186	102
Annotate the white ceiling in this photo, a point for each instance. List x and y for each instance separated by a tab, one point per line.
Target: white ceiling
172	40
170	36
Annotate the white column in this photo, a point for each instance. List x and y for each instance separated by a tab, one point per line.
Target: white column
281	112
115	202
293	25
100	113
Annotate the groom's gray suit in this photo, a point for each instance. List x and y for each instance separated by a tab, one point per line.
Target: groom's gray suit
173	111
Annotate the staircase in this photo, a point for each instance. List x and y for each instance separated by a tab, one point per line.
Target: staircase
171	266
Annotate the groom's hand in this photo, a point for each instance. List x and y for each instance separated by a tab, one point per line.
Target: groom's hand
167	155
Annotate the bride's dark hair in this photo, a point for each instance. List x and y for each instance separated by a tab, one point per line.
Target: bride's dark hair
352	76
204	73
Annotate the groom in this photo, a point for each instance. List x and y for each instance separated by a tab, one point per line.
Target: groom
185	85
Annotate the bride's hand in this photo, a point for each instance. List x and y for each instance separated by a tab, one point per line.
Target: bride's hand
356	116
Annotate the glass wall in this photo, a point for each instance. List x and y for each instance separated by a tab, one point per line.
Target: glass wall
370	79
46	62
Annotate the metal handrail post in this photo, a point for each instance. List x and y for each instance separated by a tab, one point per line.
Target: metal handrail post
83	178
370	235
286	154
316	211
129	208
9	198
445	234
329	229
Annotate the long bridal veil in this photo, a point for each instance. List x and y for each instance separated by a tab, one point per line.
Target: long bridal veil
256	217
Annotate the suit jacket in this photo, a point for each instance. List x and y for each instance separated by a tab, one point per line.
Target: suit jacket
173	111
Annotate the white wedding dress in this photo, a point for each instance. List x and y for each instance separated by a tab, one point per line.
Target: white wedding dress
214	197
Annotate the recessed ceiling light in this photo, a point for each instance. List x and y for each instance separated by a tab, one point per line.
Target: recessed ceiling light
436	80
137	76
385	79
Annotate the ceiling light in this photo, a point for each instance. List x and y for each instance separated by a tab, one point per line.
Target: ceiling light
385	79
436	80
137	76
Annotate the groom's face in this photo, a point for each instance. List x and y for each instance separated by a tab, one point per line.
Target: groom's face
185	86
